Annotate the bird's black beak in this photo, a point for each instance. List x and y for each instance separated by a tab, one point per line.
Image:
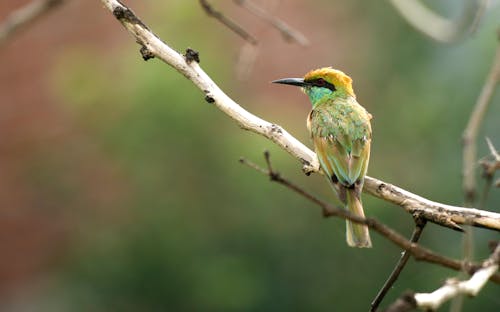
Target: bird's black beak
291	81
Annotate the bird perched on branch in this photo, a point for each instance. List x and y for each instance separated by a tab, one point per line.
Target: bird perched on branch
341	131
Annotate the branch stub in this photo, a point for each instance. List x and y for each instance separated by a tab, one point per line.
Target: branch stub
192	55
124	14
146	53
209	99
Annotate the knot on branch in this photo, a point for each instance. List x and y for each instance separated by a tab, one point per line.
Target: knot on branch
208	97
276	129
381	187
490	163
192	55
469	267
274	176
146	53
126	15
419	219
307	168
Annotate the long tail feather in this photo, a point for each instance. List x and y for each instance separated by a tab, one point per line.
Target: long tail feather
357	235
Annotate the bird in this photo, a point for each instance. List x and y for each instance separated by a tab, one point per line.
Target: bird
340	129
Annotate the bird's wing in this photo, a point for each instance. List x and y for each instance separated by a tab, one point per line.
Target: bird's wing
343	148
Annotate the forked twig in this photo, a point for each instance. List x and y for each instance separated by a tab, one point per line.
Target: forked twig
445	215
415	236
442	214
416	205
490	165
470	134
418	252
288	33
452	288
229	23
437	27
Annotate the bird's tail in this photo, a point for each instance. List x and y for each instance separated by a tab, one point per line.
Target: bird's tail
357	235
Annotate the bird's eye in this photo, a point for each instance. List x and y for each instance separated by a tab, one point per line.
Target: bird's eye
321	82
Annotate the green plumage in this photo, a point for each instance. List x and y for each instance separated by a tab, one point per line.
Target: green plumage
341	131
344	127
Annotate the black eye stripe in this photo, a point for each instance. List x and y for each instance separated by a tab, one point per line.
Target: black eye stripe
320	82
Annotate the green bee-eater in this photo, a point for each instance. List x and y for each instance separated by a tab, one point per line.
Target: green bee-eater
341	131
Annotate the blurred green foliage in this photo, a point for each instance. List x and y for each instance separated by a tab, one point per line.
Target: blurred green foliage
200	232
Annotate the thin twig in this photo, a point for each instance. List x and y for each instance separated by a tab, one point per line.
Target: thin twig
24	16
444	215
415	236
437	27
469	140
493	150
489	169
490	166
288	33
418	252
469	137
451	289
229	23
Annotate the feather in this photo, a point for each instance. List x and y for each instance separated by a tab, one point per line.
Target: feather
341	132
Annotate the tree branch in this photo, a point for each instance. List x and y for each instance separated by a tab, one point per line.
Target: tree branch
451	289
437	27
419	227
418	252
469	137
25	15
446	215
229	23
288	33
151	45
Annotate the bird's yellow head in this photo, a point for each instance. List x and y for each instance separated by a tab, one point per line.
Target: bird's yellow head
338	79
321	83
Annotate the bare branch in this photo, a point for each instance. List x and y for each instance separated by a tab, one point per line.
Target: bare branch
453	288
229	23
445	215
431	301
213	93
288	33
24	16
419	227
469	161
418	252
437	27
469	137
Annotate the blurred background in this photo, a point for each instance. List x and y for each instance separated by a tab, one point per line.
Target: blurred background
121	190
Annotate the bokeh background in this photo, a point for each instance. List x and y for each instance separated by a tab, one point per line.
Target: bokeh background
120	187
